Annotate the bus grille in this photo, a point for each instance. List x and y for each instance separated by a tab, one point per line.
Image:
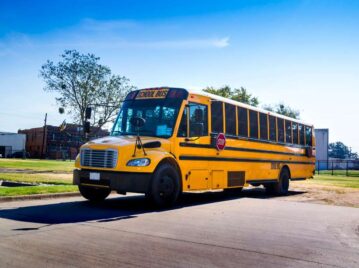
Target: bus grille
98	158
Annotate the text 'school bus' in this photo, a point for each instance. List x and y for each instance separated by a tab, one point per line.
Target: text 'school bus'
170	140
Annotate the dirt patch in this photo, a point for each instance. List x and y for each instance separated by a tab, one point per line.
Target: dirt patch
322	194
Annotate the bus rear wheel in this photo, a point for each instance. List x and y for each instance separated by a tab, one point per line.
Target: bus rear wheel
94	194
281	187
165	186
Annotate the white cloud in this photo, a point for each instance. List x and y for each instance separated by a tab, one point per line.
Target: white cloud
106	26
110	34
178	43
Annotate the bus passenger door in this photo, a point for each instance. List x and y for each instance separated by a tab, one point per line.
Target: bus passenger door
192	146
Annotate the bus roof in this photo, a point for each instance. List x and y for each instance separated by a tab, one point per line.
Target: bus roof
237	103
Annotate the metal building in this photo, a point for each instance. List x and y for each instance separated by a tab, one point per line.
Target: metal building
321	146
11	143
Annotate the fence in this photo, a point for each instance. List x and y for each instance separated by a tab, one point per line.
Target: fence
338	167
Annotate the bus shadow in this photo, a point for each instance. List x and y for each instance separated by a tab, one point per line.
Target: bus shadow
115	209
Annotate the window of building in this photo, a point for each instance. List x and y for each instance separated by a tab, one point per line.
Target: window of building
263	126
308	136
242	122
288	131
272	128
217	116
301	134
295	132
198	121
280	123
230	119
253	123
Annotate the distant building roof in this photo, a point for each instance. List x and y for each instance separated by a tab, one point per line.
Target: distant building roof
9	133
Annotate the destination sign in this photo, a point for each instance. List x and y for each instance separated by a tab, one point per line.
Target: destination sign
158	93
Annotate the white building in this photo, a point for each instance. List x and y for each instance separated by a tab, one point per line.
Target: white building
321	147
11	143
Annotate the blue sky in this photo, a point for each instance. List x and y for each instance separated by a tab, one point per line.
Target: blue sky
302	53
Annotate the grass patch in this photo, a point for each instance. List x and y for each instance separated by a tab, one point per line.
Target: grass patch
30	190
57	179
339	172
339	181
37	165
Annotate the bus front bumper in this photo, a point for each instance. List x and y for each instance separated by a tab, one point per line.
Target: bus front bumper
120	181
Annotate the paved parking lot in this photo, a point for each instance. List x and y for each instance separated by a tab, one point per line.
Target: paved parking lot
204	230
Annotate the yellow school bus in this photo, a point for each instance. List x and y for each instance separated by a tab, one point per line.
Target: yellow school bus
166	141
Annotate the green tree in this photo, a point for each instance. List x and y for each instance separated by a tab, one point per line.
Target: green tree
225	91
340	150
81	82
238	94
283	110
241	94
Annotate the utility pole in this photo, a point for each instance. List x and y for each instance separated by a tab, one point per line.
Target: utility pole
43	137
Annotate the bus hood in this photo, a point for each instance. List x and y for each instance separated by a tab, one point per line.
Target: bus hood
125	141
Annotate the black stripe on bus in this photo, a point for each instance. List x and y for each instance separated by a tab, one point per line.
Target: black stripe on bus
233	159
261	181
228	148
273	180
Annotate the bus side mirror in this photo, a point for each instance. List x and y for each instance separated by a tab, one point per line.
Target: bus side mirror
87	127
88	113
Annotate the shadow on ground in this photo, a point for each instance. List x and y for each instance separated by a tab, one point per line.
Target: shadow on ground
115	209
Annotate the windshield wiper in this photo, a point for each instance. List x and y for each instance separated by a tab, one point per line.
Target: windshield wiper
119	133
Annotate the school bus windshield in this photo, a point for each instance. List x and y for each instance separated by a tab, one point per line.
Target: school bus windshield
160	117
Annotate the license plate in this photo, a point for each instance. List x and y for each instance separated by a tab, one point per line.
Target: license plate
94	176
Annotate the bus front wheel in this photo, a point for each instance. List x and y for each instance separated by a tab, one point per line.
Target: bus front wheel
281	187
94	194
165	186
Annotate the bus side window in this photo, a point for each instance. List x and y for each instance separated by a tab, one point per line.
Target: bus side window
264	126
280	129
242	122
288	131
198	120
295	132
253	123
230	119
272	128
308	136
217	116
301	134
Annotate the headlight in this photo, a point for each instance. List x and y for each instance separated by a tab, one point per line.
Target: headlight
139	162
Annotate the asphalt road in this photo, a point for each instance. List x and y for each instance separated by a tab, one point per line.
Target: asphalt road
206	230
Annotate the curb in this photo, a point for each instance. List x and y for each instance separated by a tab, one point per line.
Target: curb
37	196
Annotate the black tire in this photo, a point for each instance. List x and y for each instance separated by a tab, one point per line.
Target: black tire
94	194
165	186
281	187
